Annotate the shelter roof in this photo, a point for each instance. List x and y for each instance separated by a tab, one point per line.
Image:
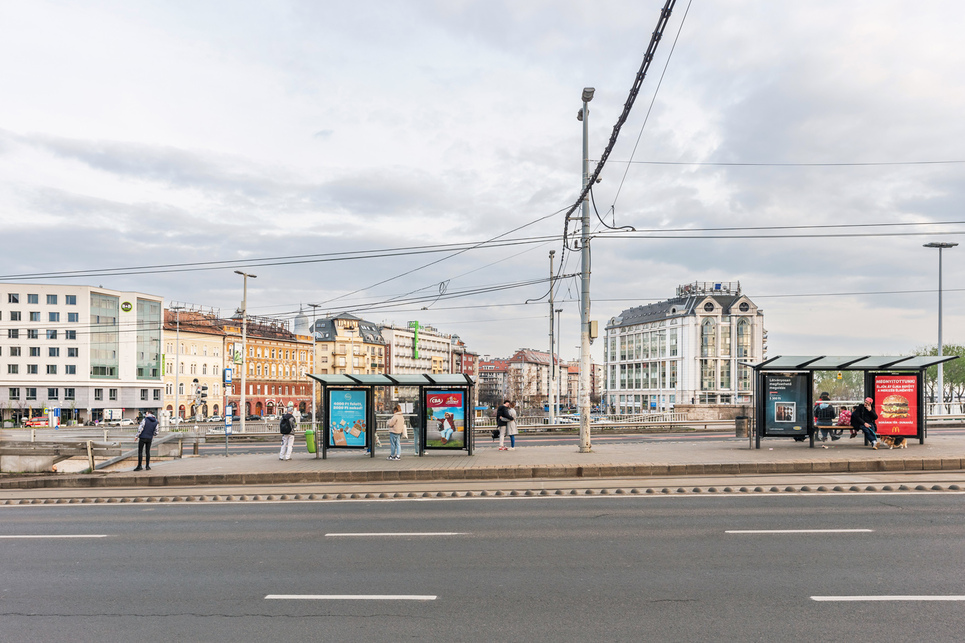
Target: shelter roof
849	363
418	379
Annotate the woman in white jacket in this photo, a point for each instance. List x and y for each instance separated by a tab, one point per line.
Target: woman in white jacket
511	429
397	431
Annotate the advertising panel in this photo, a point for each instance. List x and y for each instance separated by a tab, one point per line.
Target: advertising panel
786	408
896	403
347	413
445	419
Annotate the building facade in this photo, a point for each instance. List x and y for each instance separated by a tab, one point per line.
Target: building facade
79	350
416	349
194	362
684	350
347	345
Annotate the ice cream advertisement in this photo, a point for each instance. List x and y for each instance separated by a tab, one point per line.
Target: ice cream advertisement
896	403
445	419
346	418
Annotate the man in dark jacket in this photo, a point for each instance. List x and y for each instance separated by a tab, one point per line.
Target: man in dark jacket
864	418
145	434
824	416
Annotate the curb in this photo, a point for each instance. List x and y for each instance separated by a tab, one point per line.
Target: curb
126	479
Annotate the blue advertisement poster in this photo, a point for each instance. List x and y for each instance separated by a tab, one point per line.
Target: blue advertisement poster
786	404
445	420
347	413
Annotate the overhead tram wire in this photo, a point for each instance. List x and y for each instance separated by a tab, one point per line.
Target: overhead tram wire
830	164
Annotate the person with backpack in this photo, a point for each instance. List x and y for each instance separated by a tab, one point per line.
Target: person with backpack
863	418
824	417
145	434
287	428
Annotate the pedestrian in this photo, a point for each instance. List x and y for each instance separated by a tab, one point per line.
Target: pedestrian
511	429
397	431
502	421
146	431
824	417
863	418
287	428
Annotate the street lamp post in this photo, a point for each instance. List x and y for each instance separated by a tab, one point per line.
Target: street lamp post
244	348
551	381
585	445
941	245
559	378
177	361
314	357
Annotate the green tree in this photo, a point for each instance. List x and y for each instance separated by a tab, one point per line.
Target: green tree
849	387
953	374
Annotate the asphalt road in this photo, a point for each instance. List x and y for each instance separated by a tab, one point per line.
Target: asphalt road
535	569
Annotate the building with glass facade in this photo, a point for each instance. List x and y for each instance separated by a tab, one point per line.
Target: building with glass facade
684	350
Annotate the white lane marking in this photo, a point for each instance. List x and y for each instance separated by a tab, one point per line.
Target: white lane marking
886	598
57	536
389	534
349	597
799	531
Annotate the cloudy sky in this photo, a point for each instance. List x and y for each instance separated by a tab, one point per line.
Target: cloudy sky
326	137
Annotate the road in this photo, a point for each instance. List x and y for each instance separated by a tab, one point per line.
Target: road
535	569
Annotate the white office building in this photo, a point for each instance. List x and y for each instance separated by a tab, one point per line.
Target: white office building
684	350
89	352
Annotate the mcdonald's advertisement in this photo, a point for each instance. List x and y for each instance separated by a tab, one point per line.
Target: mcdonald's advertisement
896	403
346	419
445	419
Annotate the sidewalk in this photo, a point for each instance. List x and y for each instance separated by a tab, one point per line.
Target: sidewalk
669	457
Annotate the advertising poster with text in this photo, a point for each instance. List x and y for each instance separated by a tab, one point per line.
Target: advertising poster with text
445	419
346	417
896	403
786	405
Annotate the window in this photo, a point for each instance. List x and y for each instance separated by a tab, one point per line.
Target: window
204	369
32	369
31	393
73	317
70	334
157	395
69	394
112	394
707	374
70	369
73	352
180	388
33	299
743	338
144	395
14	393
70	300
13	298
53	393
51	334
709	307
53	317
169	389
53	351
51	300
33	333
708	338
14	351
35	316
13	333
35	351
98	394
14	315
51	369
13	369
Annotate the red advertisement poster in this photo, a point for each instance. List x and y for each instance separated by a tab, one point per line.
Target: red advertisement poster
896	403
445	420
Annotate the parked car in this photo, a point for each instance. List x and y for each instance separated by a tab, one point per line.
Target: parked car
270	418
37	421
215	418
253	418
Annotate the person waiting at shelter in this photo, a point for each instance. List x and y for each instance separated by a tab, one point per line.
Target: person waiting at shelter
824	417
864	418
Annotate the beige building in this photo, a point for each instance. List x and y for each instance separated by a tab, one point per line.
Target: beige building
347	345
193	359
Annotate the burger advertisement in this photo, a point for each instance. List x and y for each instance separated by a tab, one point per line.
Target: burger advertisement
896	402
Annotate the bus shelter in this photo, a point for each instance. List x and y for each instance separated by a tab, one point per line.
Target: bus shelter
443	419
784	393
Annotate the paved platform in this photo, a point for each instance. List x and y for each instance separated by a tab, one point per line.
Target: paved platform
667	457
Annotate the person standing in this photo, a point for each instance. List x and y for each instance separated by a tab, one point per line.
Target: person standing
397	430
511	429
502	421
824	417
146	431
287	428
864	418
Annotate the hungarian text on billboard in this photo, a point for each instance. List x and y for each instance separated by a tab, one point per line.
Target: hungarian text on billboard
347	414
896	403
445	419
786	404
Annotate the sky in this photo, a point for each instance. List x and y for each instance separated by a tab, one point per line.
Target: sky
159	147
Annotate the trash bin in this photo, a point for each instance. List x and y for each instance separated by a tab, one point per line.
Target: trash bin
743	424
310	440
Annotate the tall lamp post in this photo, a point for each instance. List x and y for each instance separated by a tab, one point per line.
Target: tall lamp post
941	245
177	362
583	115
559	374
551	381
314	357
243	412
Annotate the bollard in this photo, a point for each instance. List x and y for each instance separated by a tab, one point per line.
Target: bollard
33	435
90	455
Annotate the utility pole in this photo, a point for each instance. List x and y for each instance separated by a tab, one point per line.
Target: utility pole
243	412
314	357
177	359
551	382
585	446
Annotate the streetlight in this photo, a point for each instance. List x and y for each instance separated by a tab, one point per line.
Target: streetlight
584	116
314	357
177	361
551	380
244	349
941	245
559	374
